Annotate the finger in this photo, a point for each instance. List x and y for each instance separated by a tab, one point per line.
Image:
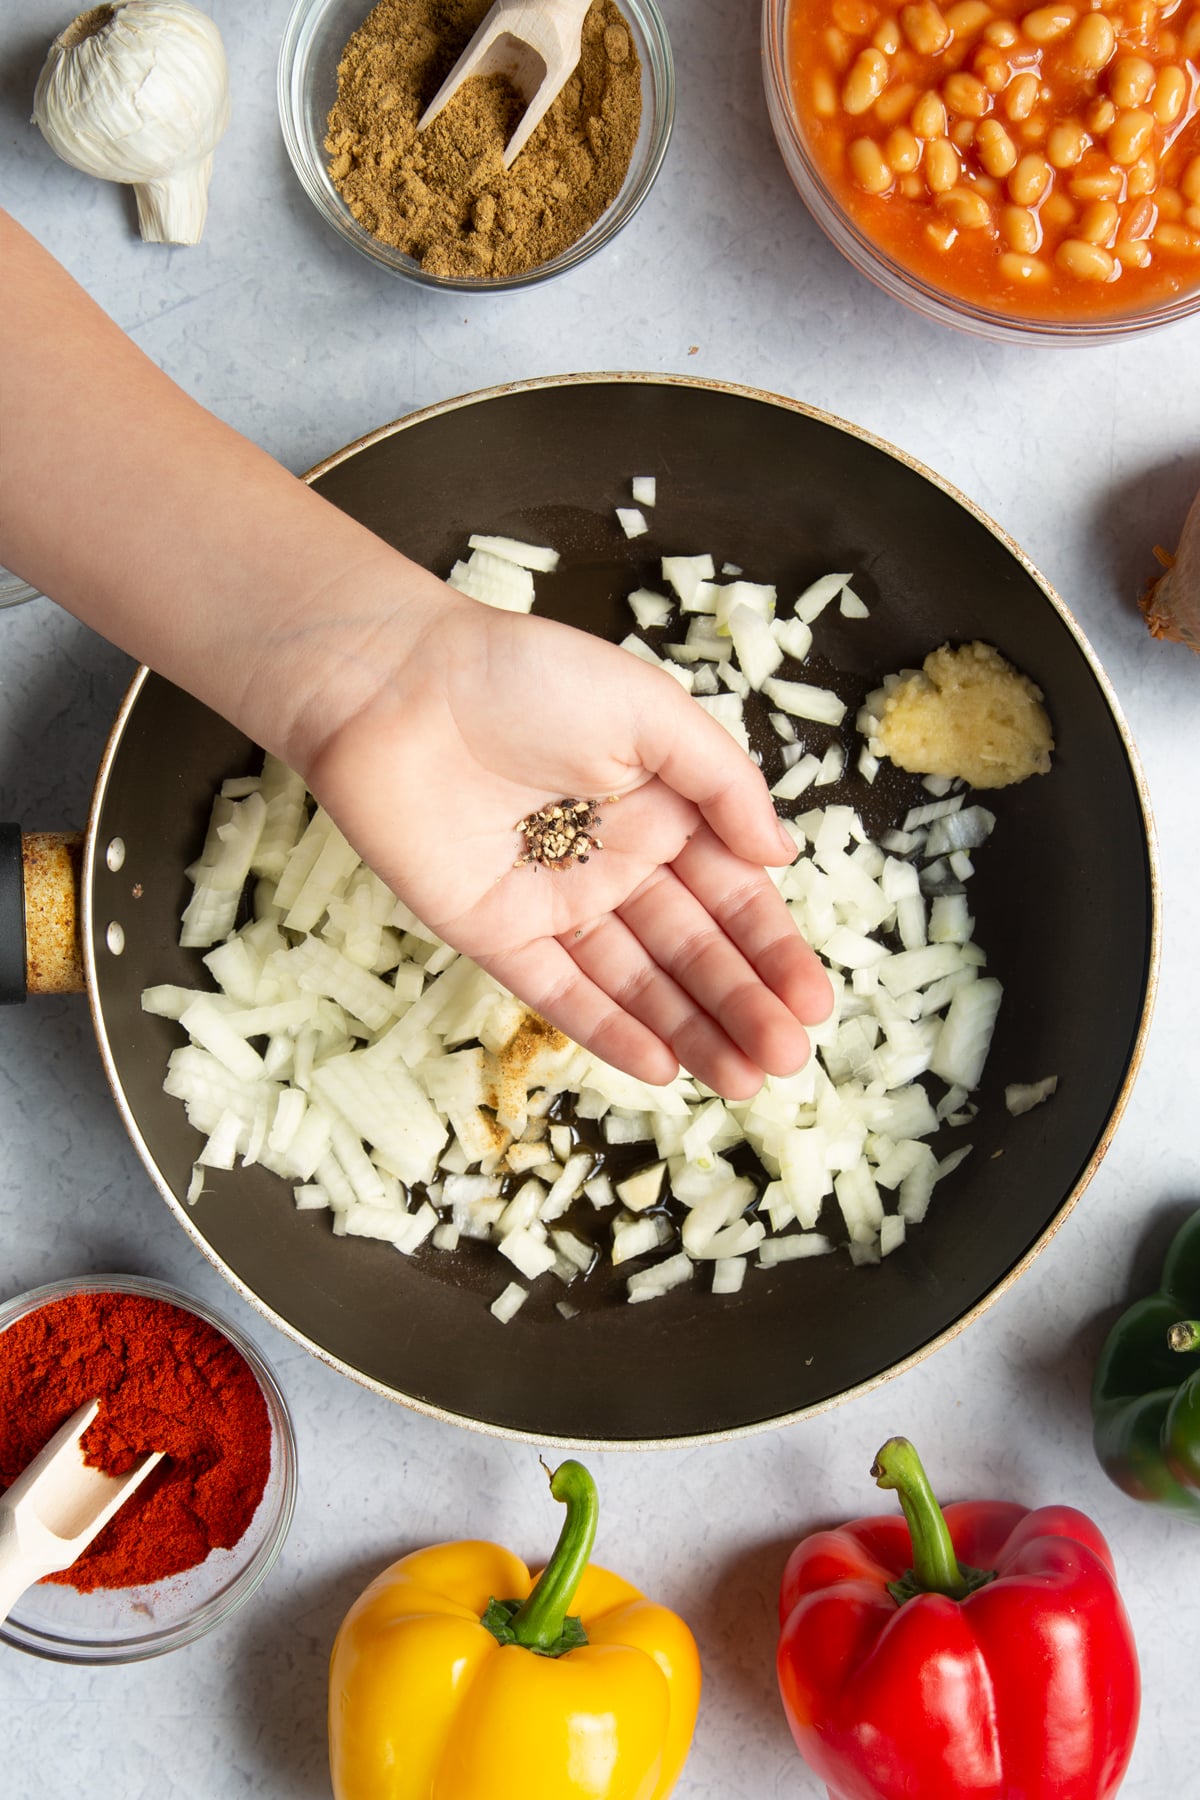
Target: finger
545	977
610	953
682	936
696	756
753	914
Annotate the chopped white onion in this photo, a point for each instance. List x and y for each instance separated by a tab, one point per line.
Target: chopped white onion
833	764
805	701
526	556
793	782
1021	1097
639	1191
649	608
652	1283
964	830
936	809
728	1275
813	601
509	1302
793	1248
756	596
793	636
691	577
365	1062
637	1237
755	647
494	580
966	1034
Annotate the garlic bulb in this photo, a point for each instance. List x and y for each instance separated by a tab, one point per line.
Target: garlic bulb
138	91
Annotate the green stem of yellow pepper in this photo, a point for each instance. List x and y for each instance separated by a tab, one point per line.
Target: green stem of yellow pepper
540	1622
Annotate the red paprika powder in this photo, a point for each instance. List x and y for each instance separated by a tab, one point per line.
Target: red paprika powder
166	1380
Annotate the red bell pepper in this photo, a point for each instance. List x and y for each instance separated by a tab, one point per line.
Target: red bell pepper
979	1652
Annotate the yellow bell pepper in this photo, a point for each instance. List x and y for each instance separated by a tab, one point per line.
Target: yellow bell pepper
440	1690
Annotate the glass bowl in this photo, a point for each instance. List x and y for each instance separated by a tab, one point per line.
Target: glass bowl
13	590
903	284
120	1625
313	41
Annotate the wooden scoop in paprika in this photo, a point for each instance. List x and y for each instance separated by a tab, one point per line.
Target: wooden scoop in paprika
56	1506
535	43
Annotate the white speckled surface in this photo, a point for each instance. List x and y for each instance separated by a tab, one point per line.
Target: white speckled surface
1087	458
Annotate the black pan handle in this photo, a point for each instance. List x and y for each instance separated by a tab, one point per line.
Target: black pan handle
39	913
13	984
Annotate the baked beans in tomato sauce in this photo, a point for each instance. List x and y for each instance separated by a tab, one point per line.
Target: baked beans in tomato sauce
1037	160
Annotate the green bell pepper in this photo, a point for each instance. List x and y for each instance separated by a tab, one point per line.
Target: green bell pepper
1146	1393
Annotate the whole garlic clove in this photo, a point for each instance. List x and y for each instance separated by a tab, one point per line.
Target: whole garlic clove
137	91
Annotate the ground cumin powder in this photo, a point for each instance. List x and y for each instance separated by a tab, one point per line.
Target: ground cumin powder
443	195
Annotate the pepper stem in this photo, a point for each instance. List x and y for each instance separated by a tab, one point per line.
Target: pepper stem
936	1569
1185	1335
539	1622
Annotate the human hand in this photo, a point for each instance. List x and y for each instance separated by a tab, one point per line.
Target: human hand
672	945
427	724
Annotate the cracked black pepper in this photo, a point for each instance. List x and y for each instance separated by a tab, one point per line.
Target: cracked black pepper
558	835
443	196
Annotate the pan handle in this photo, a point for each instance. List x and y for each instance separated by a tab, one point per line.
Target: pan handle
40	874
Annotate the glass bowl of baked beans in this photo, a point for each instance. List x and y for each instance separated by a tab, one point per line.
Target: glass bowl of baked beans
1013	170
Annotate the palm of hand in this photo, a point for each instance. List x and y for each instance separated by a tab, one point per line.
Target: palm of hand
668	943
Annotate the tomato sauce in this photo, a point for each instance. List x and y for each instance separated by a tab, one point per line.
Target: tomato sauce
1041	161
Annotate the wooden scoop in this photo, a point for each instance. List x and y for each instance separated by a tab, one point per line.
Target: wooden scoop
54	1509
535	43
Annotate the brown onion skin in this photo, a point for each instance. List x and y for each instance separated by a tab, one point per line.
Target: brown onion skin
1172	603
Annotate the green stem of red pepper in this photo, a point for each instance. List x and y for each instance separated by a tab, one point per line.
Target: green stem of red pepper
1185	1335
540	1622
936	1569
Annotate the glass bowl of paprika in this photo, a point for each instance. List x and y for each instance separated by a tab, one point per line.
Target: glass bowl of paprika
437	206
205	1529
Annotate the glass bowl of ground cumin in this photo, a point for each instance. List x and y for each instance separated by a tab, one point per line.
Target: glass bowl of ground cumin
203	1531
438	207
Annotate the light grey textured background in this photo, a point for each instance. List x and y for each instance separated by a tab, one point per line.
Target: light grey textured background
1088	458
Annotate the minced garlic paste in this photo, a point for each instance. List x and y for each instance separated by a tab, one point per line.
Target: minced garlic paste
966	713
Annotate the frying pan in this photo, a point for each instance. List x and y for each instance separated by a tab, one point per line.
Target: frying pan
1064	899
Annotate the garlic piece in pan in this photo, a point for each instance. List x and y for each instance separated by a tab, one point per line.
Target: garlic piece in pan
138	91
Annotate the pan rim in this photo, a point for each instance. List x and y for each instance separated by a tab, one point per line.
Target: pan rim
90	929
